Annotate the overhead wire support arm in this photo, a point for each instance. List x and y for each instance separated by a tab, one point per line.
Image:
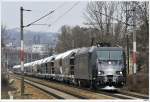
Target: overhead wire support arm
40	18
32	23
40	24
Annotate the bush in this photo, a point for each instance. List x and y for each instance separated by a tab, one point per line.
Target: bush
138	82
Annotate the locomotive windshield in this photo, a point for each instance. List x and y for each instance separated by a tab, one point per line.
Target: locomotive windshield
109	55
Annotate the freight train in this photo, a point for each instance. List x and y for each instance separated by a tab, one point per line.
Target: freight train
95	67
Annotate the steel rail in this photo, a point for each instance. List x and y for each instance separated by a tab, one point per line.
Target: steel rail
116	94
56	93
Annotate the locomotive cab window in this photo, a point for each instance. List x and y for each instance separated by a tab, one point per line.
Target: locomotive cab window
109	55
103	55
115	55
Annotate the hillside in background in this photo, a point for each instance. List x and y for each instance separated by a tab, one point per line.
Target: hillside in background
32	37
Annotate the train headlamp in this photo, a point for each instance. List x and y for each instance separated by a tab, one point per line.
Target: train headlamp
100	72
109	62
119	72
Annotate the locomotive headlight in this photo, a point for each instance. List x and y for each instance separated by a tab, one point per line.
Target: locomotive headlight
119	72
100	72
109	62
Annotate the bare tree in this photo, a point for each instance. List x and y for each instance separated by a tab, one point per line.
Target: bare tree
100	15
142	29
75	37
64	39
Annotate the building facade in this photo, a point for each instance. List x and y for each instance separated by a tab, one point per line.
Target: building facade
11	54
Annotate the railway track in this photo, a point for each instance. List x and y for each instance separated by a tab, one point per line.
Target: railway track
133	94
54	92
119	94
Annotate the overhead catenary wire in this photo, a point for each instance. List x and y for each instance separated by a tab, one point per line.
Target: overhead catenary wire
50	12
75	4
61	5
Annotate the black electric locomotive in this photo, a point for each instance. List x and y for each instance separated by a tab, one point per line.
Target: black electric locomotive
101	67
95	67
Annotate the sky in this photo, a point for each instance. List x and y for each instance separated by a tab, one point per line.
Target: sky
10	14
